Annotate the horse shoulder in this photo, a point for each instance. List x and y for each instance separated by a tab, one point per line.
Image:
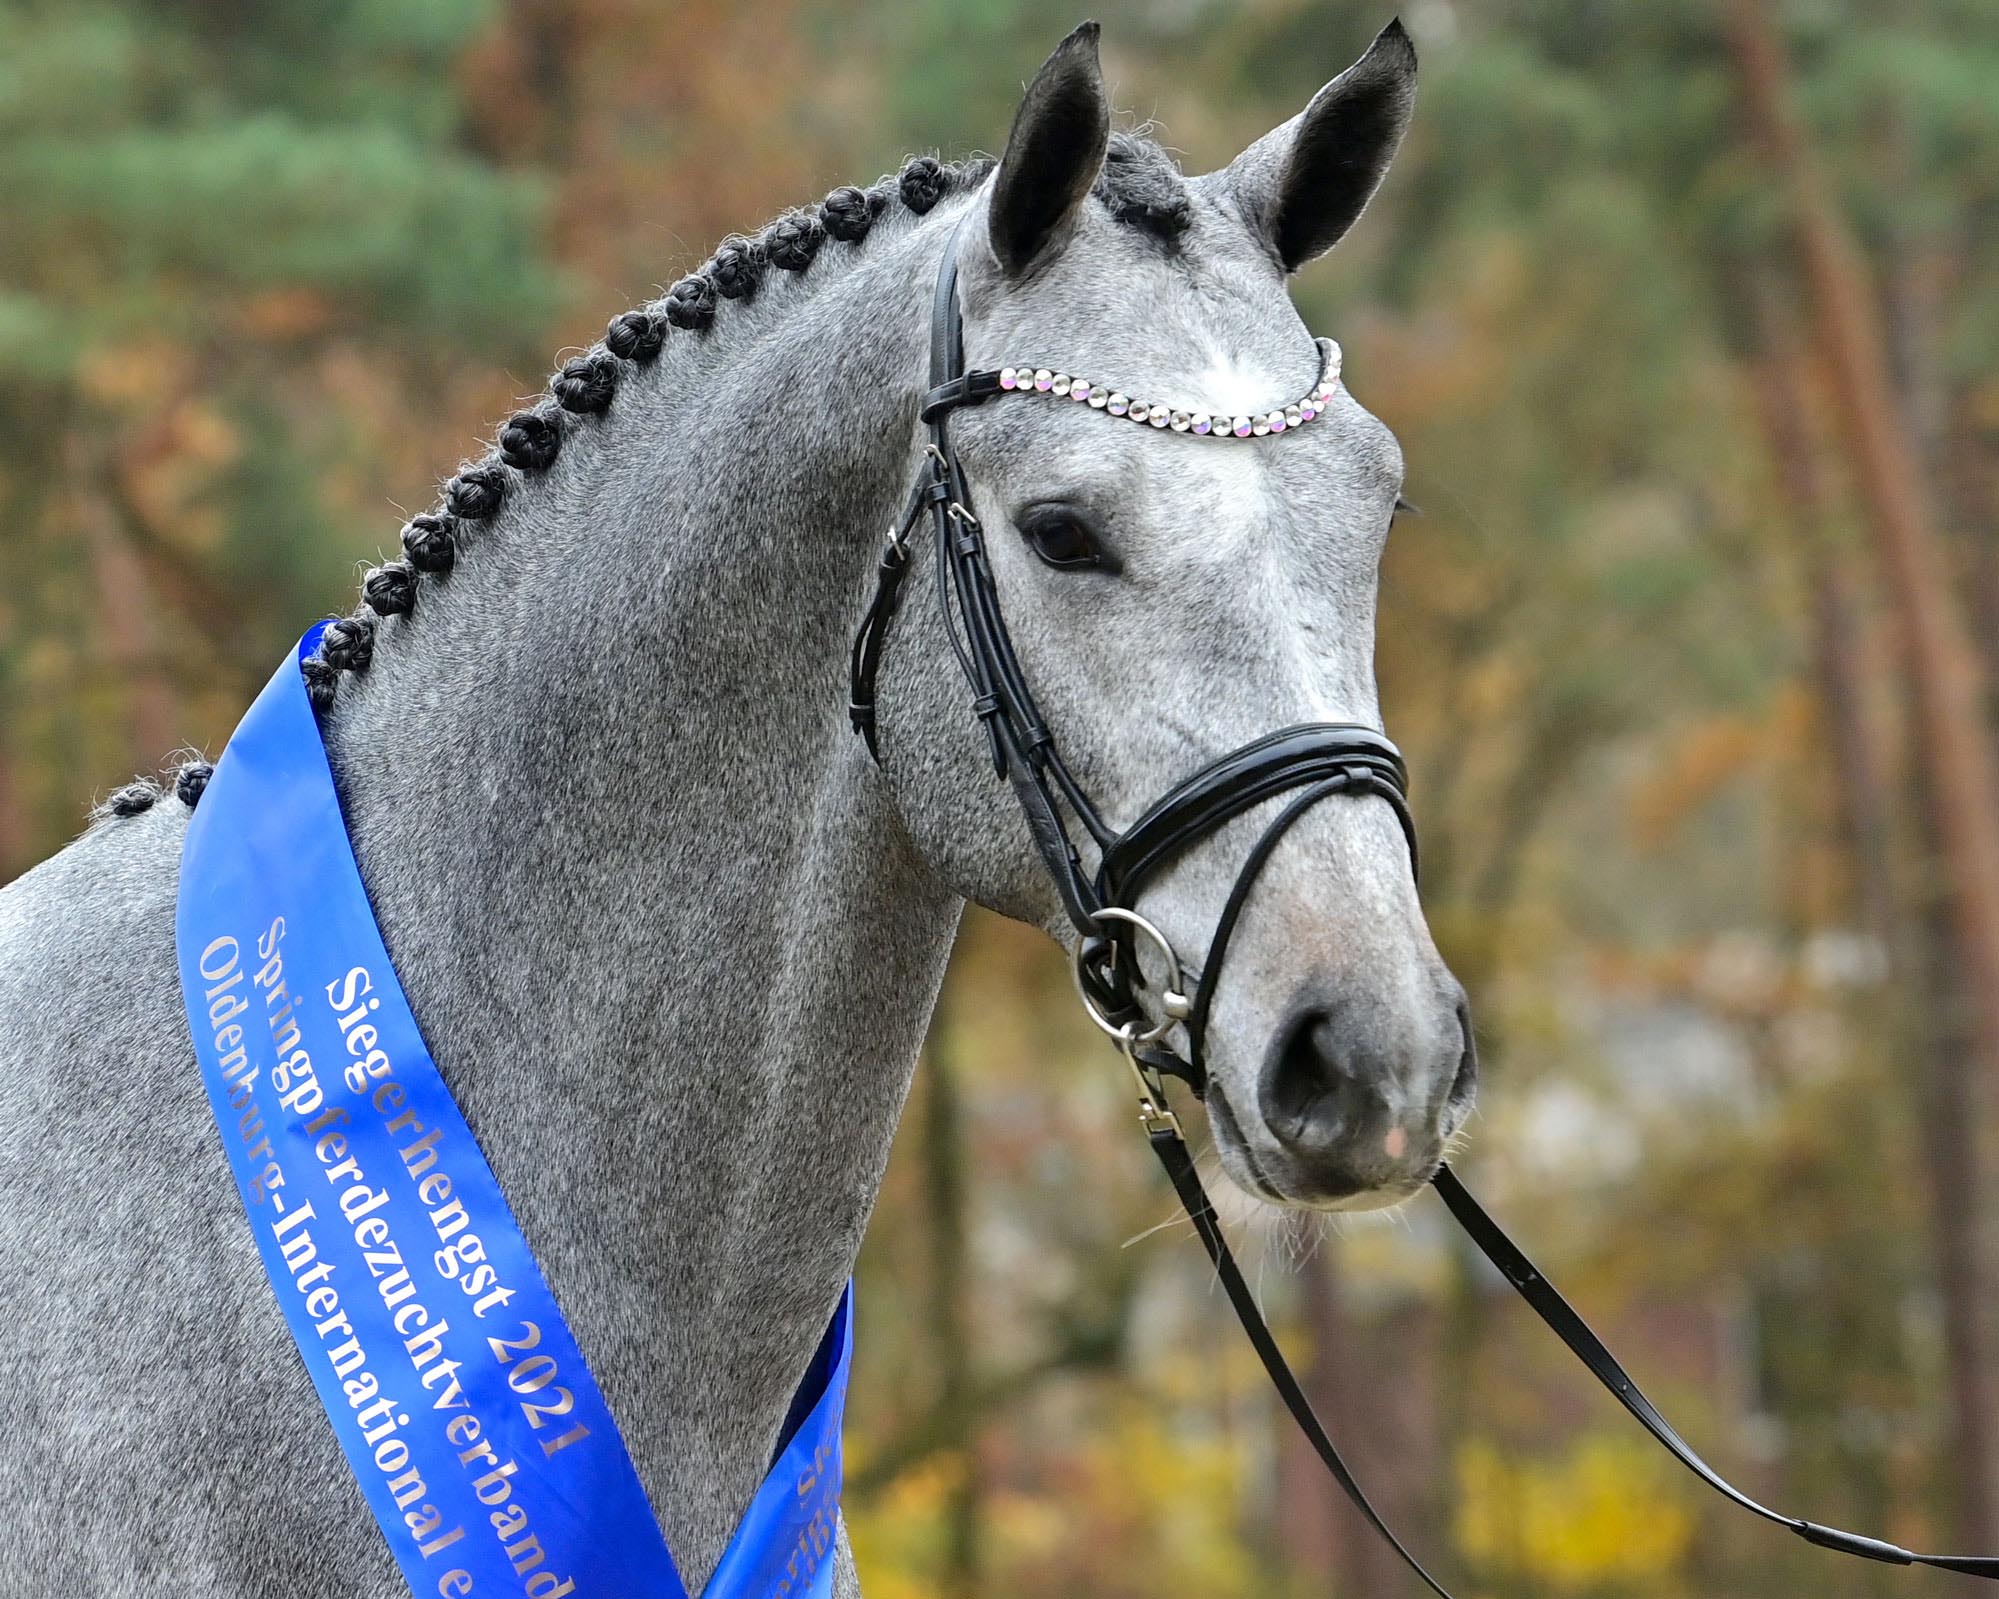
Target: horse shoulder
144	1367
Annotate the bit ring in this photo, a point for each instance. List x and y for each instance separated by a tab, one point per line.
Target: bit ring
1173	998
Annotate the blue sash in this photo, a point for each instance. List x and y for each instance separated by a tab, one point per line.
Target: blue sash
471	1423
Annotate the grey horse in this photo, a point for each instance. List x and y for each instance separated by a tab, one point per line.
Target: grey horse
672	936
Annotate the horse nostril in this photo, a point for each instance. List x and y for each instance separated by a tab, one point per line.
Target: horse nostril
1315	1096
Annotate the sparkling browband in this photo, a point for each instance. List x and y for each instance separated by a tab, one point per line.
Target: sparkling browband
1211	424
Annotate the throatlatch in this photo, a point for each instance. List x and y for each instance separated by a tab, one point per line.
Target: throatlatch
1310	763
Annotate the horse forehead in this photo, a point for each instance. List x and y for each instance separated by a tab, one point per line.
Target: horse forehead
1148	311
1215	344
1217	339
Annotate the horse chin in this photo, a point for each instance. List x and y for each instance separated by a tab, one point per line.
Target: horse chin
1372	1199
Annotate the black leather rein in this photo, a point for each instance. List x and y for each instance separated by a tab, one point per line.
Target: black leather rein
1309	763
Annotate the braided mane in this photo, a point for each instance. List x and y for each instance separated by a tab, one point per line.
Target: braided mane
1139	184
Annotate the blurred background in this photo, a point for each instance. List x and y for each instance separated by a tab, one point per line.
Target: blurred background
1686	316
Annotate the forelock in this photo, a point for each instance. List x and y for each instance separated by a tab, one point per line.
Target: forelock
1142	187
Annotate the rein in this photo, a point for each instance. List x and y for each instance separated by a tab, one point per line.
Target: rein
1311	762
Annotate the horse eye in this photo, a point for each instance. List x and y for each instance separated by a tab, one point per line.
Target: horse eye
1061	538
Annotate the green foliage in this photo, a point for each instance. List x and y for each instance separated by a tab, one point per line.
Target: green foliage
403	234
153	171
218	219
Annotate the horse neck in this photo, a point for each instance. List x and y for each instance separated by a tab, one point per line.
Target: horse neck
669	944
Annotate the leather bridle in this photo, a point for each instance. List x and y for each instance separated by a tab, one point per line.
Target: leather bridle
1308	763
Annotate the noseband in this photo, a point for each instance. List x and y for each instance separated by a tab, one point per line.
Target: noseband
1310	763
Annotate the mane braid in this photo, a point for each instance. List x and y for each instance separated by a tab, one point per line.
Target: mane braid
1139	186
529	441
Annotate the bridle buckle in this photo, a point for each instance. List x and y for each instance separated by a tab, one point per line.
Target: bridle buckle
1154	1114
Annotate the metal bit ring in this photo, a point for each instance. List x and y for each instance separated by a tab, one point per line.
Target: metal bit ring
1173	997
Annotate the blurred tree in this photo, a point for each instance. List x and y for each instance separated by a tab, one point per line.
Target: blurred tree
945	1159
243	246
1959	780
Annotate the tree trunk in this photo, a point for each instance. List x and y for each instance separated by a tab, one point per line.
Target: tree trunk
13	846
944	1164
1954	745
127	627
1783	392
1985	601
1325	1541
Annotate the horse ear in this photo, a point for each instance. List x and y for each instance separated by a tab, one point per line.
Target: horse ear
1052	156
1303	184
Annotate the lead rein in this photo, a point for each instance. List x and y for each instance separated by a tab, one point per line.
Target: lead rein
1554	1310
1562	1319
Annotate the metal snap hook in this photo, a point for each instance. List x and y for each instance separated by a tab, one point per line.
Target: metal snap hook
1154	1114
1173	998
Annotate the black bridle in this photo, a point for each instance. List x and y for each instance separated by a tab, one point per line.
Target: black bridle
1309	763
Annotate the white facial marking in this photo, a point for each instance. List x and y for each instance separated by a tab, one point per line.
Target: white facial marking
1224	388
1226	384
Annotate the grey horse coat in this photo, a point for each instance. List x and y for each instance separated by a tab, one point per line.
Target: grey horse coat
673	940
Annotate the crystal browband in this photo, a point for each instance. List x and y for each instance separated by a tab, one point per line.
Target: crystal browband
1210	424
